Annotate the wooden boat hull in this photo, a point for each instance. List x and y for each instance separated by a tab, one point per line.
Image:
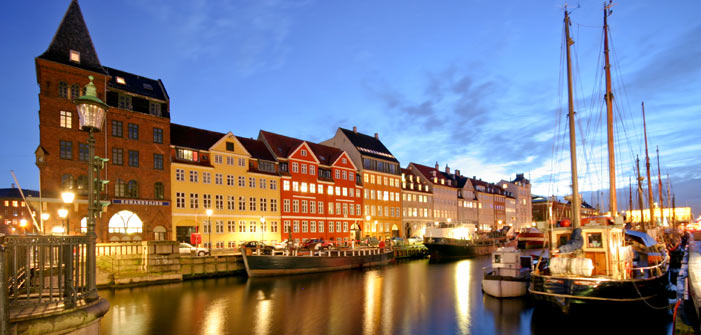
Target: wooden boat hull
267	265
565	292
504	286
445	248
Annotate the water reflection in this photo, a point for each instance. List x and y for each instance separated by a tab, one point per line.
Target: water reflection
411	297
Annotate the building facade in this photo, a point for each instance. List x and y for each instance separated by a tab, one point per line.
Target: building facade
520	189
320	191
135	138
16	216
381	175
417	204
224	187
445	191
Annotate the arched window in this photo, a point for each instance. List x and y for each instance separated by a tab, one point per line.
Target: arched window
158	190
132	189
125	222
63	90
120	188
67	181
82	184
159	233
75	91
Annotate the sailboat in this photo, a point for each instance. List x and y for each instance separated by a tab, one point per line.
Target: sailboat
599	263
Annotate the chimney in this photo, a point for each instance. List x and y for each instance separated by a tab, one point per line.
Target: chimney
355	129
447	169
457	172
377	136
437	166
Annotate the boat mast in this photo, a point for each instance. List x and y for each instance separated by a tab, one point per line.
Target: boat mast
609	118
647	166
669	201
659	186
640	195
573	143
630	199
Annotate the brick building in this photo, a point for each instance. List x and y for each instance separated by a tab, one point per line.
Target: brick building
135	138
14	211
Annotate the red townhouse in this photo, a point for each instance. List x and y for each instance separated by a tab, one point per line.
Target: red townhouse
321	190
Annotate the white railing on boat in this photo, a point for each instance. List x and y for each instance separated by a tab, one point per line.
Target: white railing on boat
326	253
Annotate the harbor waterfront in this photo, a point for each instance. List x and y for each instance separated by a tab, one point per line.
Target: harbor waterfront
405	297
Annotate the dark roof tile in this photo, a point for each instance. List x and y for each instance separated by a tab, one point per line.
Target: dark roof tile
256	148
195	138
137	84
369	145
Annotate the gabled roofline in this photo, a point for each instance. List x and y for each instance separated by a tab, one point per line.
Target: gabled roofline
304	143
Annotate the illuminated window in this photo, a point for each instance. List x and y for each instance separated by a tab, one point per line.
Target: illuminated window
120	80
74	56
66	120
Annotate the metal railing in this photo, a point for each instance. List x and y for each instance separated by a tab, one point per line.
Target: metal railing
43	273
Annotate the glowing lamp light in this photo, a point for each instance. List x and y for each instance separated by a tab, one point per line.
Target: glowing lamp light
62	213
91	110
68	197
23	223
58	230
44	216
209	212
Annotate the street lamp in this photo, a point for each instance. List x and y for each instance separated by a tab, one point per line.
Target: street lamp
63	214
44	218
23	224
209	224
67	197
262	222
91	116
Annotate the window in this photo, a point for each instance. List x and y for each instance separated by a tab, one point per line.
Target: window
305	226
74	56
66	149
62	89
312	206
132	189
594	240
344	175
252	203
304	187
312	188
186	154
120	188
124	101
116	128
304	168
338	208
251	182
242	181
242	162
231	228
157	135
179	174
286	226
312	226
120	80
295	186
295	167
83	152
273	205
285	185
330	226
66	119
230	203
337	174
158	190
206	177
193	176
296	226
311	170
194	201
263	184
67	182
179	200
242	203
304	206
295	206
154	108
229	160
219	201
321	226
75	91
230	180
345	226
133	131
273	227
320	189
242	226
263	204
321	207
218	179
218	159
304	152
158	161
330	207
133	158
229	146
219	226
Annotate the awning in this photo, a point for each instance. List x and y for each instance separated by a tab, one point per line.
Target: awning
641	237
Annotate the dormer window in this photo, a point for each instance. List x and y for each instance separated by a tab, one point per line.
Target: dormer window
304	152
74	56
121	80
154	108
187	155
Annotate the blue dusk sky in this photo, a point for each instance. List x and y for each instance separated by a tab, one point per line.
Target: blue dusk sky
477	85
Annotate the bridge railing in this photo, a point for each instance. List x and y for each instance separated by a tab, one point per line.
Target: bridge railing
43	273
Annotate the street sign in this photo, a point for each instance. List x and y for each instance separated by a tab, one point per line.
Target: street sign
195	238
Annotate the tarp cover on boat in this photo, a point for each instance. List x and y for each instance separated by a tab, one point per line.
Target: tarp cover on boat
641	237
575	243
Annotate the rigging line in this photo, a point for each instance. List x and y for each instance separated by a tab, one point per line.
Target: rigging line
623	88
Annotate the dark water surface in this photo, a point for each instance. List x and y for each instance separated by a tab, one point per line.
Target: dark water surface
408	297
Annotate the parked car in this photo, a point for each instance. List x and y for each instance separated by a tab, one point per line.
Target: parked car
370	242
255	245
283	245
317	243
188	249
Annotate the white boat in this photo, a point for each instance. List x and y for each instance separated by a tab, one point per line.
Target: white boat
509	274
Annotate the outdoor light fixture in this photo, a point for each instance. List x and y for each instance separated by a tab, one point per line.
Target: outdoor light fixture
91	110
67	197
63	214
209	223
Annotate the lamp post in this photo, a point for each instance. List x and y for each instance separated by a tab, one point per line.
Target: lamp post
67	199
44	218
262	222
91	115
63	214
23	224
209	224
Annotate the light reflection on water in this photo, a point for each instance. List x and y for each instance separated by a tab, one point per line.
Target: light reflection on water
409	297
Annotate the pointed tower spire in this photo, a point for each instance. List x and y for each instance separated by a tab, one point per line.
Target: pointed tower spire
72	44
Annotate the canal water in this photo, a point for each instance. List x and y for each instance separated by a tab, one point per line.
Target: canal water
406	297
